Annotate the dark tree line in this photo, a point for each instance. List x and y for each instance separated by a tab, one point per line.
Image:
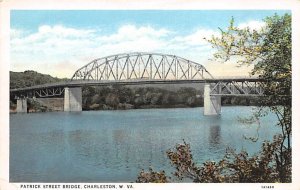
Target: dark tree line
122	97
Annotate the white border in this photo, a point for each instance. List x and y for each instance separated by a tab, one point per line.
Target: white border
7	5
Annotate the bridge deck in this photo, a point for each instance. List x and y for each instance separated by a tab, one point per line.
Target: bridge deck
80	83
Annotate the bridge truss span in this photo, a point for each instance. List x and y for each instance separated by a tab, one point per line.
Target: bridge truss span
39	92
248	87
141	66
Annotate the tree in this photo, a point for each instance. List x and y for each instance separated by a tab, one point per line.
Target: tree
112	100
233	168
96	99
269	50
124	93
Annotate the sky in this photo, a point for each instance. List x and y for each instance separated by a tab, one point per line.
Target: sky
58	42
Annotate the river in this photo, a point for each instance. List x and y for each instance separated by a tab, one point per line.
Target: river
113	146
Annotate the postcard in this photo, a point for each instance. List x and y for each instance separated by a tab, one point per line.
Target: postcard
149	95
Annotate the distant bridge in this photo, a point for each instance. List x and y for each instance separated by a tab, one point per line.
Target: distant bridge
138	69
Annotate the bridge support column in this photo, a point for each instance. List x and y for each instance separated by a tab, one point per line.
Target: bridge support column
22	105
73	99
212	104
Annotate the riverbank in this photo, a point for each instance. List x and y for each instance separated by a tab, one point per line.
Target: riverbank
126	106
37	105
108	108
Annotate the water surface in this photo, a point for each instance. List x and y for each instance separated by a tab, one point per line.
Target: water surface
113	146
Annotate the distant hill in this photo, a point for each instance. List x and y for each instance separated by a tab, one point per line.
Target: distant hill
30	78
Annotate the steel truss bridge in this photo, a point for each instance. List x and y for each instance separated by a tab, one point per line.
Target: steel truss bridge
144	68
141	66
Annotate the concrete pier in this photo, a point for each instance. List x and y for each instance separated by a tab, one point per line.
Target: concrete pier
22	105
212	104
73	99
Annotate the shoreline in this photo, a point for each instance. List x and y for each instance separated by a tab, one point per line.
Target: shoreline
141	108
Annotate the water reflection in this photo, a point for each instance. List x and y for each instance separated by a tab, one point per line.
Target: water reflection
214	135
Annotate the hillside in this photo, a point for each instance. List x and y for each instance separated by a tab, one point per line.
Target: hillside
29	78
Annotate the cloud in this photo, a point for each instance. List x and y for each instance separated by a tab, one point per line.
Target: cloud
196	38
15	33
61	50
64	32
131	33
131	38
50	44
253	25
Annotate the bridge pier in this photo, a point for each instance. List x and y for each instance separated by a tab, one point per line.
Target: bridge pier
212	103
22	105
73	99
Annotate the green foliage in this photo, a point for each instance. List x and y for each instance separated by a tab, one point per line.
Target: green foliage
36	106
96	98
269	49
122	97
30	78
112	100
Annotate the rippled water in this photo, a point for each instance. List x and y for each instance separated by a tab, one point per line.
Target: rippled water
113	146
